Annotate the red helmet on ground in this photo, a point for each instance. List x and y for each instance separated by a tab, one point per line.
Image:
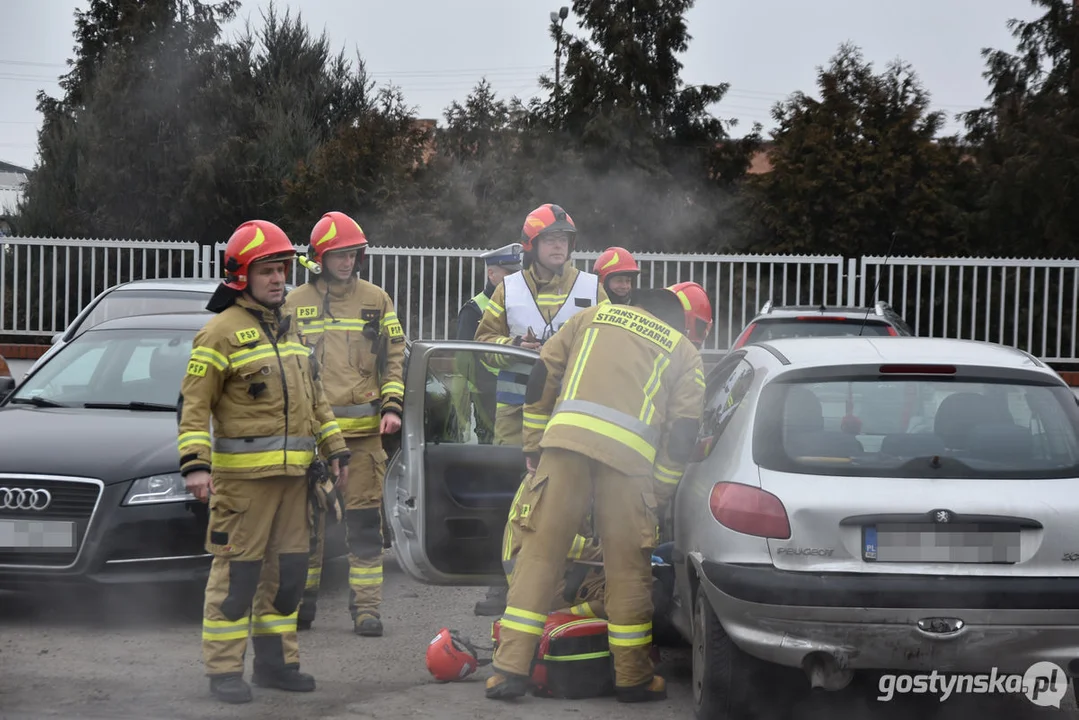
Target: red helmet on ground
698	309
615	261
335	231
546	219
254	241
451	657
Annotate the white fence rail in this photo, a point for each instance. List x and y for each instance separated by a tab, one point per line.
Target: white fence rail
1031	304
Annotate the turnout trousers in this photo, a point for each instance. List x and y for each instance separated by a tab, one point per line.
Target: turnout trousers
258	534
580	588
363	530
566	484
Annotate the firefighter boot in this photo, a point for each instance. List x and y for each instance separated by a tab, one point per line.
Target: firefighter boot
368	625
289	679
504	686
654	689
494	603
230	688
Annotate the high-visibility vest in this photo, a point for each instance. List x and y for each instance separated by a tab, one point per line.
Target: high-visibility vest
522	313
482	301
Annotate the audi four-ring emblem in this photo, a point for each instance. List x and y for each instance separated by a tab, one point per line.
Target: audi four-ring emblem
24	499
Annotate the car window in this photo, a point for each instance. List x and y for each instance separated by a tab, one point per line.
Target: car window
918	428
727	389
114	366
461	400
775	329
129	303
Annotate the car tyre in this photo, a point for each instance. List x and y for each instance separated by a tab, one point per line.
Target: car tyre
729	684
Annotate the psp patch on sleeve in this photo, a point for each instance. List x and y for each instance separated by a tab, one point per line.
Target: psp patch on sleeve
196	368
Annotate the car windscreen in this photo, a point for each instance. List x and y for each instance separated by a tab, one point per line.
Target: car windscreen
776	328
112	366
918	427
130	303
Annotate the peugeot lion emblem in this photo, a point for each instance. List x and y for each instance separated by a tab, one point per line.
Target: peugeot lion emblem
942	516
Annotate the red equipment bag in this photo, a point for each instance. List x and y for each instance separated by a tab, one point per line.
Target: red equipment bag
573	660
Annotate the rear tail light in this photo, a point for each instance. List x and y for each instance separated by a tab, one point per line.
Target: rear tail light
749	510
892	332
744	336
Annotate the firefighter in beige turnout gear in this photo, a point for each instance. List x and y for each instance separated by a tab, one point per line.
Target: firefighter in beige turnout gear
525	309
601	444
249	374
358	341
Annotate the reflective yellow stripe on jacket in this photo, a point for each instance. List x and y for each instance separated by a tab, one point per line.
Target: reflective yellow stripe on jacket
258	452
358	417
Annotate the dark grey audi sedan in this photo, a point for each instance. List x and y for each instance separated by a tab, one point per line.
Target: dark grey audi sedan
90	489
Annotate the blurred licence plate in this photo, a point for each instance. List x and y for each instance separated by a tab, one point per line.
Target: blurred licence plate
927	542
37	534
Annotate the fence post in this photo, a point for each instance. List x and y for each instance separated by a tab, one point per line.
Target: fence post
207	254
852	280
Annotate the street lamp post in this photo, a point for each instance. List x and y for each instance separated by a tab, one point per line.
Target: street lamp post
558	19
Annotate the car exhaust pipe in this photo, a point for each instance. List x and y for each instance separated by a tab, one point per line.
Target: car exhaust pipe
823	671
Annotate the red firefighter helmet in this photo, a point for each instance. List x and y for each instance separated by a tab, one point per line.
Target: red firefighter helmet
698	309
335	231
254	241
451	657
546	219
615	261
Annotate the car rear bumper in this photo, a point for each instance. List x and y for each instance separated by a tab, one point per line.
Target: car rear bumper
871	621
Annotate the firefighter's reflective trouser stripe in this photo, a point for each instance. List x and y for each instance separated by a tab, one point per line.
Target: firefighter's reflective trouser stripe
258	534
363	530
508	419
566	484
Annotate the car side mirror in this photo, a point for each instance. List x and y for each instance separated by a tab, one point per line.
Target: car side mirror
7	384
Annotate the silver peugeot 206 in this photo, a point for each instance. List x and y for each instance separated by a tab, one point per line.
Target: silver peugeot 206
876	503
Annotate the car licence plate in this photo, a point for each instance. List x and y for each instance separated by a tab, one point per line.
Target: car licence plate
926	542
37	534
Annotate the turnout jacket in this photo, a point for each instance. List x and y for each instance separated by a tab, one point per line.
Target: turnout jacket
250	375
620	386
359	344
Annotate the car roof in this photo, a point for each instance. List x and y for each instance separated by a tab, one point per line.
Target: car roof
828	351
187	284
795	310
164	321
156	321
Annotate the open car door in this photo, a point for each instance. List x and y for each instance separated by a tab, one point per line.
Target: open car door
449	489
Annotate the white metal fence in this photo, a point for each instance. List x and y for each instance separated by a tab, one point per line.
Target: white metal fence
1031	304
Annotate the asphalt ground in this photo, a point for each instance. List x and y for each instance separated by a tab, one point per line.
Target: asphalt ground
134	654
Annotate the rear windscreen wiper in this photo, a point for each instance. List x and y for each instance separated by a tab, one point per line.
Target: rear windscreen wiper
37	401
133	405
